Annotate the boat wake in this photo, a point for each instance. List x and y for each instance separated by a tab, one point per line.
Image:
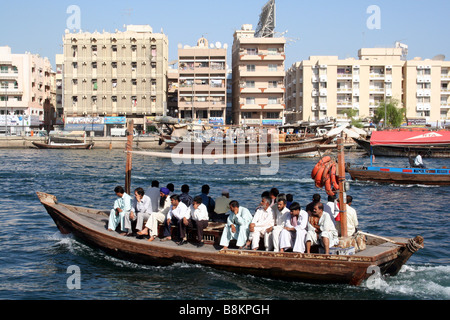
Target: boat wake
425	282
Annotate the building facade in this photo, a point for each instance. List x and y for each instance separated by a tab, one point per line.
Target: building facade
121	75
326	86
202	92
27	89
258	78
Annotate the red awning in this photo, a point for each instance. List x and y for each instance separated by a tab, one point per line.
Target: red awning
410	137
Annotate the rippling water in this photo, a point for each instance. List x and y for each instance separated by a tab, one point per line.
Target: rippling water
34	256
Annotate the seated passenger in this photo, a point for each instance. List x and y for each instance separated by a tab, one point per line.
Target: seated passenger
122	207
272	237
179	216
199	218
140	210
237	226
321	230
151	228
261	223
293	236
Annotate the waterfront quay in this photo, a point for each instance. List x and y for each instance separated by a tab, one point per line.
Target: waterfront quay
18	142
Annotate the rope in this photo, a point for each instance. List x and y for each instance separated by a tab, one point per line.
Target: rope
413	246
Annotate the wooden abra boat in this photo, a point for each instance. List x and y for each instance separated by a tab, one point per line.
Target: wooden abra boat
90	226
401	175
78	146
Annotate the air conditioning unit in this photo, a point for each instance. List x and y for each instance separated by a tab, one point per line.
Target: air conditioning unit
323	66
356	66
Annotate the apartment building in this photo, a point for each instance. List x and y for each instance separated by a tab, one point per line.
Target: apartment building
26	89
326	86
110	78
258	78
59	122
202	92
172	93
427	90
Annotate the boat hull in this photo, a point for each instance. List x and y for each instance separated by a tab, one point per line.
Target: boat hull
83	146
89	226
440	177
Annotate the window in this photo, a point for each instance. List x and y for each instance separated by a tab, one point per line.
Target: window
114	98
273	100
273	67
4	69
252	51
114	48
114	65
250	100
251	68
246	115
272	51
94	65
250	84
273	84
114	83
94	85
272	115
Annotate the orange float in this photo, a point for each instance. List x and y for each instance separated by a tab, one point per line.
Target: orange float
318	166
333	177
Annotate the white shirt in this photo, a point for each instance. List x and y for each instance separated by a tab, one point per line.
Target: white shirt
352	220
180	212
302	220
143	206
418	161
263	218
331	209
280	217
199	214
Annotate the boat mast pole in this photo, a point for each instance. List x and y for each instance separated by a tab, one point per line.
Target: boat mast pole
129	148
342	195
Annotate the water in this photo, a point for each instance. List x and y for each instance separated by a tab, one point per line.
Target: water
35	257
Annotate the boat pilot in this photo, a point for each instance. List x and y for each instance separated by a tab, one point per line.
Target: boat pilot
122	207
418	162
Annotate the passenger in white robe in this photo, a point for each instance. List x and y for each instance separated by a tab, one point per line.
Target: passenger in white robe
237	227
154	194
272	238
261	223
122	207
321	230
293	235
151	228
140	210
352	218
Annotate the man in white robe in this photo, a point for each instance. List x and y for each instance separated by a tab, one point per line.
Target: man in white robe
237	227
321	232
352	218
151	228
272	238
294	232
261	223
122	207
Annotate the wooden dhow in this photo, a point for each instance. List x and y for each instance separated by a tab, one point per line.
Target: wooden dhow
386	254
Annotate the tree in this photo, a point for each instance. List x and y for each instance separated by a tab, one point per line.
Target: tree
390	113
351	113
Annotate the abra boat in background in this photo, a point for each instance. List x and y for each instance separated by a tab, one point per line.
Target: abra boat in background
400	142
440	177
66	140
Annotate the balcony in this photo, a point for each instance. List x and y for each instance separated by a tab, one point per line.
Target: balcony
376	76
445	91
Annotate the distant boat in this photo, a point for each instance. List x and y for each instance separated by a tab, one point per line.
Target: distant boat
401	175
401	142
65	140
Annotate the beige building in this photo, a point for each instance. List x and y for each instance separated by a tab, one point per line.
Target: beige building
116	75
202	92
258	78
325	86
27	87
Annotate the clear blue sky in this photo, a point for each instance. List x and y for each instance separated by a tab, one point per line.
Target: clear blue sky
321	27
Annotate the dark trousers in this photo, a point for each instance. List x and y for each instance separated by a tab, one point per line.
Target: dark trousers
200	225
175	222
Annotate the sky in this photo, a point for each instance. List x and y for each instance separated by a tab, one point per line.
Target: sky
320	27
